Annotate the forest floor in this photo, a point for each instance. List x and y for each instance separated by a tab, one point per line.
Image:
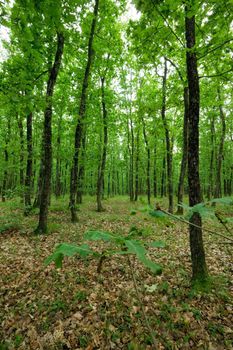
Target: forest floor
77	308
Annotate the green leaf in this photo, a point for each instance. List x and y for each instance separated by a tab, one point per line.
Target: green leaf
66	249
157	214
98	236
224	200
135	247
155	268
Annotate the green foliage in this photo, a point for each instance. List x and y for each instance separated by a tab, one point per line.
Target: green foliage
11	223
127	245
69	250
205	209
158	214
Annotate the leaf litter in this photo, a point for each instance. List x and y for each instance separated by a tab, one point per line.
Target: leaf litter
76	308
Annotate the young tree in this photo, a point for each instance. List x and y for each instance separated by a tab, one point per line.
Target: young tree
199	268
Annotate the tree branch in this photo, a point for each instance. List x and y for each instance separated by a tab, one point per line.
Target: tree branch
190	223
216	75
215	48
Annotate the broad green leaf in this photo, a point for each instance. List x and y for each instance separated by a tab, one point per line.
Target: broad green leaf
66	249
157	214
98	235
135	247
226	200
155	268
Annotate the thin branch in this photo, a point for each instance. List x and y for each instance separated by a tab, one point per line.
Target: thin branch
40	75
216	75
177	69
167	23
215	48
190	223
223	223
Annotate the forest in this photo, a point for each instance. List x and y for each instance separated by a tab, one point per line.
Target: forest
116	174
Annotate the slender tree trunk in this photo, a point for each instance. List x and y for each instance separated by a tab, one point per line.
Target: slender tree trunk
199	268
102	164
218	186
211	169
163	178
37	199
6	159
47	138
155	172
21	156
168	141
81	170
82	111
28	177
184	153
131	156
58	161
137	168
148	161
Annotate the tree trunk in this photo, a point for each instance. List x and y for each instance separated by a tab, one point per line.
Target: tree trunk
137	168
218	187
37	199
131	156
6	158
148	161
101	169
211	170
184	153
58	161
79	127
199	268
81	170
21	156
28	177
168	141
155	172
47	138
163	178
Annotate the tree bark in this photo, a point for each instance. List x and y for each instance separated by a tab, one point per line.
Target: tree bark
168	141
47	138
28	177
131	156
211	169
58	186
199	268
184	160
6	159
21	156
137	168
81	170
101	169
148	161
155	172
82	110
218	187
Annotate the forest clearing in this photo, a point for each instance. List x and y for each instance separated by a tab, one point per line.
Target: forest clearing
116	174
